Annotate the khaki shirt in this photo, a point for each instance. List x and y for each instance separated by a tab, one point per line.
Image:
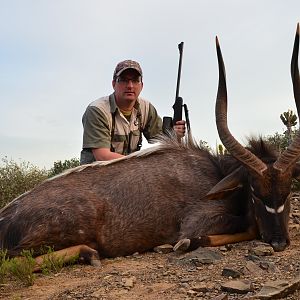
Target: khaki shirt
103	114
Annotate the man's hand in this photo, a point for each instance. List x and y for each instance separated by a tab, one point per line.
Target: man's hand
179	128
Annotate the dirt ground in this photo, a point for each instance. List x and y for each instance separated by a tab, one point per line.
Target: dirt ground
156	276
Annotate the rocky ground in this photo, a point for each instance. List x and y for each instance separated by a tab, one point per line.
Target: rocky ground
249	270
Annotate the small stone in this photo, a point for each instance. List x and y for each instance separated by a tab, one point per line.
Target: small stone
203	287
223	248
164	249
221	297
97	294
252	268
262	250
237	286
278	289
128	282
230	272
191	293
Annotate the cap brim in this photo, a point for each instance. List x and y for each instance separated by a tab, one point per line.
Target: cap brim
124	69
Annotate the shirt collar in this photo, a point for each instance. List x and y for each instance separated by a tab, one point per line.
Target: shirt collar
113	104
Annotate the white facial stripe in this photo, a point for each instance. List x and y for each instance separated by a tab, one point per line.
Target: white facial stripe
280	209
273	211
270	210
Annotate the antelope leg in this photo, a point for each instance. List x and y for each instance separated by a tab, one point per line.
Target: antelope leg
83	252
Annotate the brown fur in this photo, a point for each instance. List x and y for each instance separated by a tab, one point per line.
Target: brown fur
154	197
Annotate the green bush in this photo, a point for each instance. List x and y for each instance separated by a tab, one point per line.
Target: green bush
17	178
60	166
3	265
22	267
279	140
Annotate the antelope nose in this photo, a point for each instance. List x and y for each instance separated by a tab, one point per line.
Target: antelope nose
279	246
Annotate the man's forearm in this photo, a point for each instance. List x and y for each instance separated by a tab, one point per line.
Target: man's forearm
105	154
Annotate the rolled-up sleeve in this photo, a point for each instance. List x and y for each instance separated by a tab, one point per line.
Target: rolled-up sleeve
96	132
153	125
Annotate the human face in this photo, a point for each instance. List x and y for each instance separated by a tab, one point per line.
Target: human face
127	87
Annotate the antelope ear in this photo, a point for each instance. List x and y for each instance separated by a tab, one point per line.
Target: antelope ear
226	186
296	172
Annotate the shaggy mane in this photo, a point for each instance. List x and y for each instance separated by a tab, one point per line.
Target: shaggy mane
162	143
262	149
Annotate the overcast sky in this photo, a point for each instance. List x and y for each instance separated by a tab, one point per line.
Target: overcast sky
57	56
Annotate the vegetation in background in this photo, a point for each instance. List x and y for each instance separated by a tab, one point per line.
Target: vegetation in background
18	177
289	119
59	166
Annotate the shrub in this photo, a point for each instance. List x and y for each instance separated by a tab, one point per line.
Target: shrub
60	166
17	178
51	263
22	267
3	265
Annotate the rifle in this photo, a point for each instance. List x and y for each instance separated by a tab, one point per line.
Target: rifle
168	122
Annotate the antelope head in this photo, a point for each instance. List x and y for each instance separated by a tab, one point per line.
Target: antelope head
269	183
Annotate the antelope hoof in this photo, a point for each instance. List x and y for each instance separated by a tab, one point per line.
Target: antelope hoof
182	245
96	263
279	246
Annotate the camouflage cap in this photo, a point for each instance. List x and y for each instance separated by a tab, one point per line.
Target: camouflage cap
127	64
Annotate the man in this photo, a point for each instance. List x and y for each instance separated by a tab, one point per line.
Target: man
113	125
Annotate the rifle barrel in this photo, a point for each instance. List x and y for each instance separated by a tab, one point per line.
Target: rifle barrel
180	48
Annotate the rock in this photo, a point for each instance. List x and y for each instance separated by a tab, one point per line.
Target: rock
252	268
253	257
201	256
203	287
269	266
221	297
191	293
262	250
97	294
231	272
278	289
163	249
237	286
226	248
128	282
294	227
223	248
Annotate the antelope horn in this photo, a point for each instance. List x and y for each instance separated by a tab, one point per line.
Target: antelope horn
232	145
291	155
